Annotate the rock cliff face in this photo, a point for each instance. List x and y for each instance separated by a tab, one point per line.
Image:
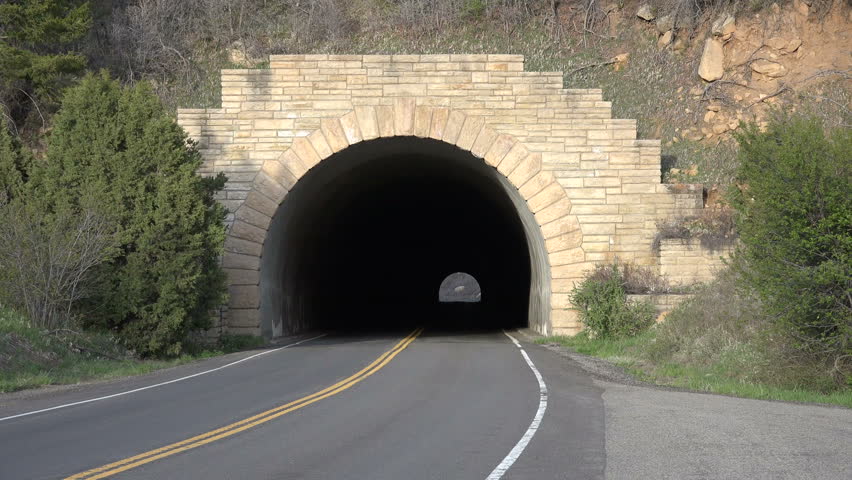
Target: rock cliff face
750	61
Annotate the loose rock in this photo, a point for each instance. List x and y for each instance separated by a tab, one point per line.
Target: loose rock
724	27
665	23
665	39
712	65
768	68
645	12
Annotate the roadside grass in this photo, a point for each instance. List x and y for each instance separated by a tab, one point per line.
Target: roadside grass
32	358
629	353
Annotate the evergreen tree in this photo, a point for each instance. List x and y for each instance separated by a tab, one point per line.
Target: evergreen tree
12	165
115	149
35	61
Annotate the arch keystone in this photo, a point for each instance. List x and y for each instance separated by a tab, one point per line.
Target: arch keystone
403	116
368	122
351	130
384	118
439	123
422	121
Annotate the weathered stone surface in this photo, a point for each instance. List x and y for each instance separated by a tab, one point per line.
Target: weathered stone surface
665	39
664	24
724	27
645	13
768	68
712	65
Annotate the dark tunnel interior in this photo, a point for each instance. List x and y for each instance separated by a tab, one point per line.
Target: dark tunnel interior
365	239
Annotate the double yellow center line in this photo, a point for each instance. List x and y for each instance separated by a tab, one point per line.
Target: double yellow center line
245	424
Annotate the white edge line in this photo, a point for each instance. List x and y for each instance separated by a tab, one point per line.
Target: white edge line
516	452
2	419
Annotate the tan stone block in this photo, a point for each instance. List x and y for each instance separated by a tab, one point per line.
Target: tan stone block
567	257
498	149
564	241
238	276
239	245
333	132
320	144
279	172
403	116
553	211
385	119
483	142
560	300
538	182
422	121
261	203
560	226
243	296
565	322
240	261
547	196
454	125
252	217
566	271
439	123
564	285
527	169
470	130
349	122
516	155
269	187
293	164
368	122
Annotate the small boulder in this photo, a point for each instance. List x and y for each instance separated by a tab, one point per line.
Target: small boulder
768	68
709	116
793	45
645	12
712	65
664	23
724	27
665	39
776	42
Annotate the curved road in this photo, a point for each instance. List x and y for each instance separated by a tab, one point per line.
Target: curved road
433	407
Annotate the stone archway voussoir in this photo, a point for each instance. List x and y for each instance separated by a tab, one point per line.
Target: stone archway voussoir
333	132
305	151
536	182
553	211
529	167
440	116
499	149
455	121
549	195
240	261
422	121
403	115
367	122
349	122
253	217
512	159
320	144
483	142
469	131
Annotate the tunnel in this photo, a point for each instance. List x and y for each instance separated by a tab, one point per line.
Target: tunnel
364	240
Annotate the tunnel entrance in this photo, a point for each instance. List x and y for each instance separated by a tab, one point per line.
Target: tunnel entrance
363	239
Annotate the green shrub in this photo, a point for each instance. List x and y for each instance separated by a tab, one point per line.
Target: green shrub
116	150
794	216
13	163
604	308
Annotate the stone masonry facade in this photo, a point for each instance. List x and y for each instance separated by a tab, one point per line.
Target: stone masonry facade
592	186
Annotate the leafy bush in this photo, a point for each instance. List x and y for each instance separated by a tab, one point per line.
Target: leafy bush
117	149
604	308
795	223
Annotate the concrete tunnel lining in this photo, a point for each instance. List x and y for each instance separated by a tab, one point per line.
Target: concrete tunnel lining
364	239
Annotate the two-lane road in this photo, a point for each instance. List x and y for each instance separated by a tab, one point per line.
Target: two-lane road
432	407
408	406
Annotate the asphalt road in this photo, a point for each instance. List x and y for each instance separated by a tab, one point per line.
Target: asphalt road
442	407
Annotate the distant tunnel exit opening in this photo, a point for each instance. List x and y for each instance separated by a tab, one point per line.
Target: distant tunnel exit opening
364	238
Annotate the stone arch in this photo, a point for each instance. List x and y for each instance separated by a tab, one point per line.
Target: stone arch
548	208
